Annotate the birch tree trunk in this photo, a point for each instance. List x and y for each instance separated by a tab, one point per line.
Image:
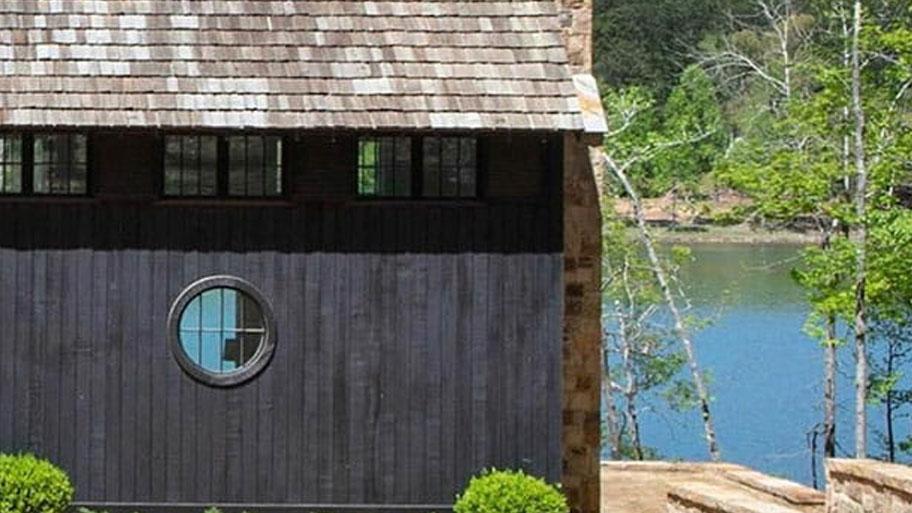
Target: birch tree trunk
861	235
612	420
829	390
679	325
615	435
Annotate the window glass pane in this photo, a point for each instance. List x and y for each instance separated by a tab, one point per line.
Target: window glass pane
468	156
60	165
41	181
450	167
208	166
191	165
191	319
385	167
273	151
367	167
237	166
255	166
431	166
211	309
211	347
10	164
78	183
249	316
255	161
172	166
78	149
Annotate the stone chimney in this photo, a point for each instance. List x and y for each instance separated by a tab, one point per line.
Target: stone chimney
582	360
576	19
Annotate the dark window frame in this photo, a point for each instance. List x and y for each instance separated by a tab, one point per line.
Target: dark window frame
416	170
253	367
410	171
27	166
223	160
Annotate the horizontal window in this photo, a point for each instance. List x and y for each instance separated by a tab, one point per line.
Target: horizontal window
191	165
448	167
385	167
44	163
60	164
255	166
210	166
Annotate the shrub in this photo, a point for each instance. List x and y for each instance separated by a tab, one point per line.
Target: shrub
32	485
510	492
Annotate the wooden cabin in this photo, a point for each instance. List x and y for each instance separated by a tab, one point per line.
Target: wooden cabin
297	255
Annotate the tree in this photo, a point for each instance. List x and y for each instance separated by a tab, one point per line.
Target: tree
861	235
831	156
692	107
641	353
619	156
645	44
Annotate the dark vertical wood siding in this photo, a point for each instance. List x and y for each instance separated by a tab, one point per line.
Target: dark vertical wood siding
418	343
395	378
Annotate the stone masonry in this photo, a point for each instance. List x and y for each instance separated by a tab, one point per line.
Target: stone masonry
581	439
864	486
582	330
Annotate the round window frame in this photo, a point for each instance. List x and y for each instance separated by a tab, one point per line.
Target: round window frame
252	367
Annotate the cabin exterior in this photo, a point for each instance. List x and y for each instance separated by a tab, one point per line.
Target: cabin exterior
298	255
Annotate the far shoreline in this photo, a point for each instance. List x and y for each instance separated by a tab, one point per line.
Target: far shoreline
733	235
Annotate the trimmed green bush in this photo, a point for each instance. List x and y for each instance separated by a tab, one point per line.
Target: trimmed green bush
32	485
510	492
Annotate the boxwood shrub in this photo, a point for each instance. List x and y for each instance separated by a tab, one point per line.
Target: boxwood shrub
32	485
510	492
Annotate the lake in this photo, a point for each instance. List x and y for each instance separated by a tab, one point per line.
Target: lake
766	372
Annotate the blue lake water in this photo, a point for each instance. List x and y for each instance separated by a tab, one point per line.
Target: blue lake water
766	372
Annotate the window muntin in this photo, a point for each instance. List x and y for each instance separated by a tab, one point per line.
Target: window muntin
10	164
191	165
222	331
385	167
60	164
254	166
450	167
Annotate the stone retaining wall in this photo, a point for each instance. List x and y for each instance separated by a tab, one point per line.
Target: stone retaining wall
864	486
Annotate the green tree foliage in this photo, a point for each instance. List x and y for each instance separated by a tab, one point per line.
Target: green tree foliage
675	145
692	108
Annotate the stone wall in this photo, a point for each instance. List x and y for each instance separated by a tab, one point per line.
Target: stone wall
582	329
576	18
864	486
582	371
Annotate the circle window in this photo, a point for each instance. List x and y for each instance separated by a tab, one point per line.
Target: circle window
222	331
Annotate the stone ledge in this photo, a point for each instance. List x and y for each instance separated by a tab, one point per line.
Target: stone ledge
865	486
885	475
668	466
712	498
790	492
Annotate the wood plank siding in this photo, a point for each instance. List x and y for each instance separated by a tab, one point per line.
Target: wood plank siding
418	342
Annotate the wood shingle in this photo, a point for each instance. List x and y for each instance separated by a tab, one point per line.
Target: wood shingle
434	64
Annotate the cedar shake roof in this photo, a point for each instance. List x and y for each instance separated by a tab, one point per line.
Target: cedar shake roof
285	64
